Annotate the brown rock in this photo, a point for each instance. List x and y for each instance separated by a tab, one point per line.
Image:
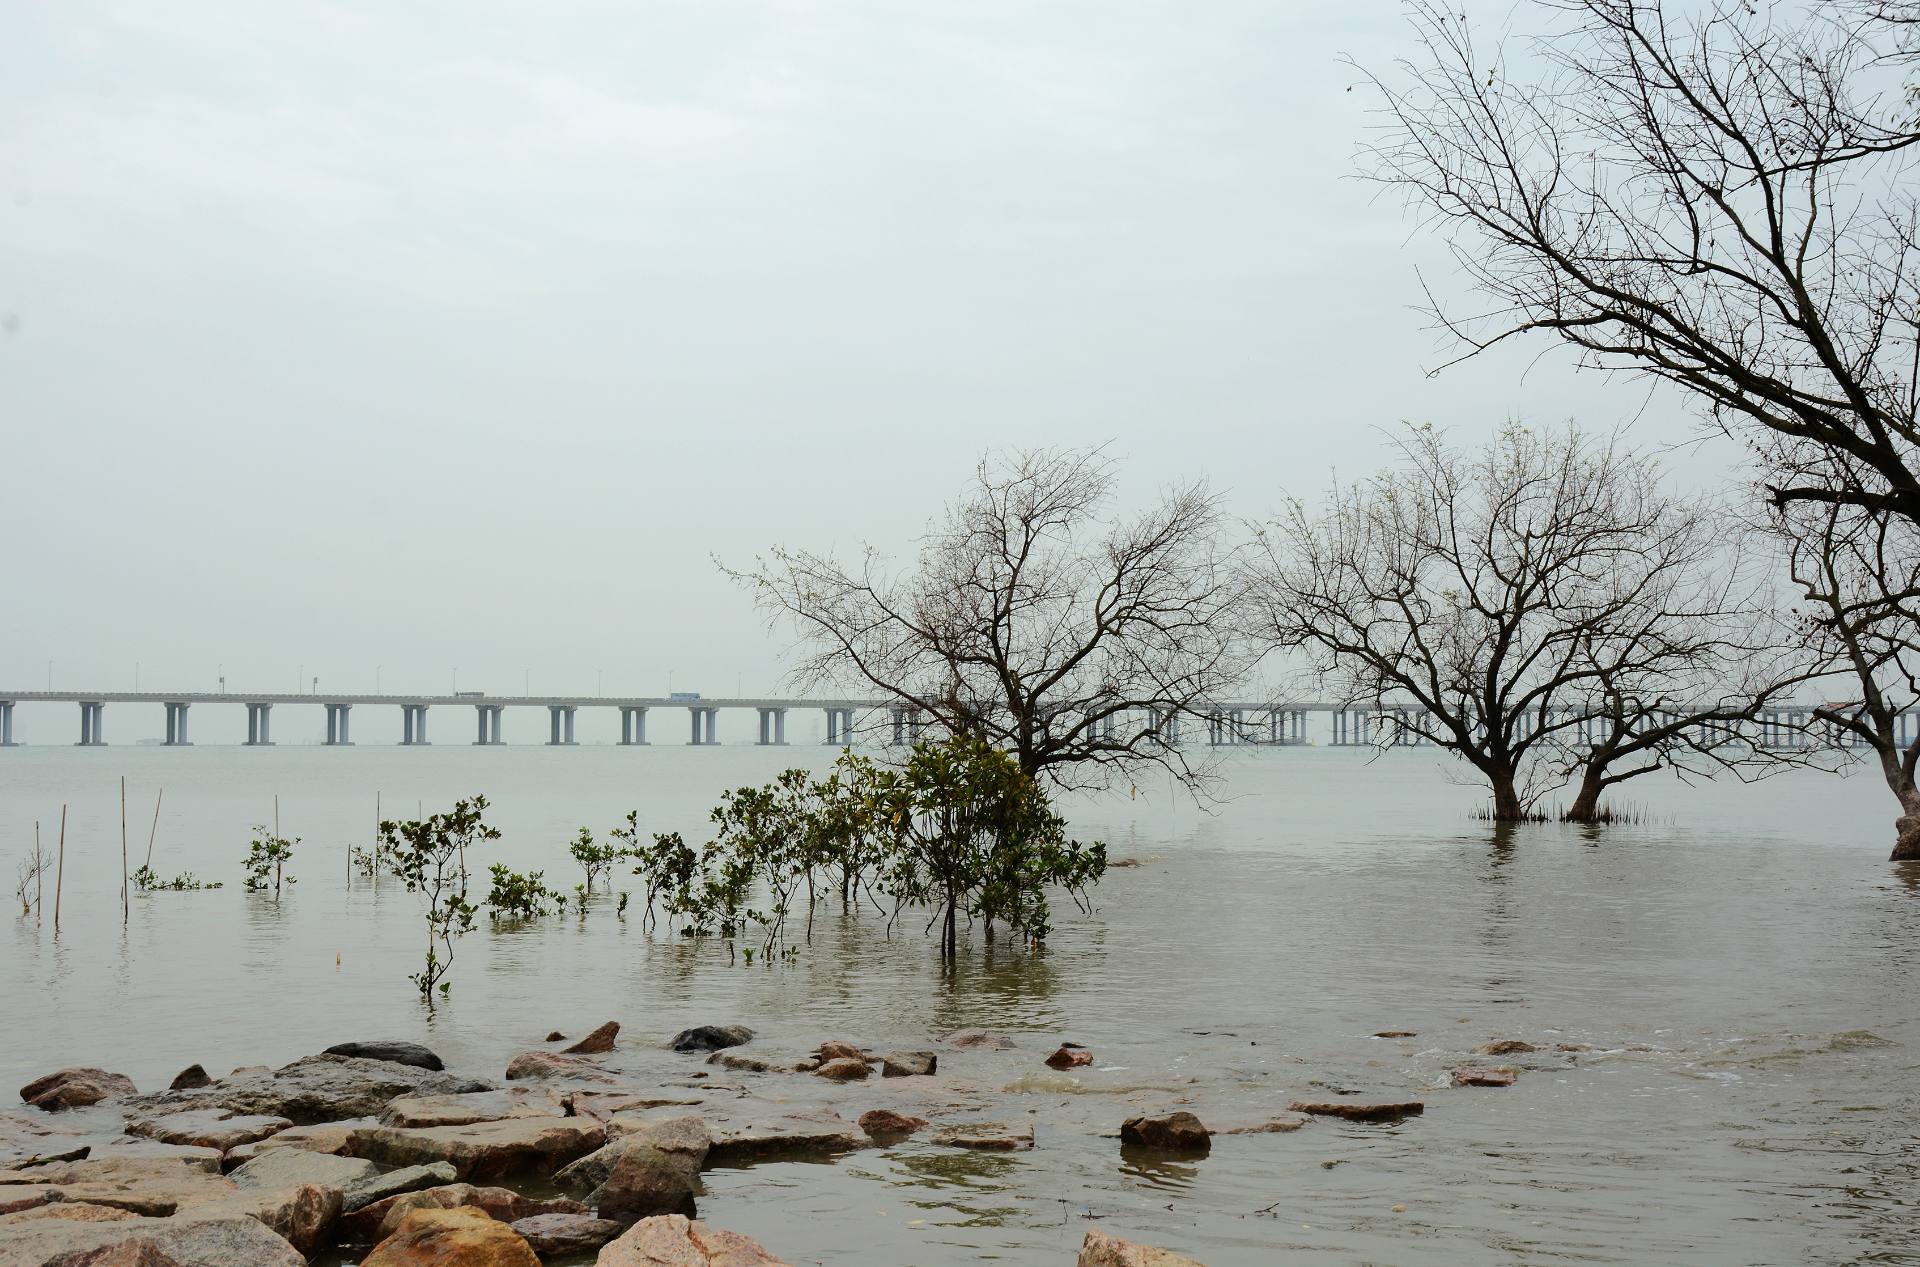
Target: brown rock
208	1128
977	1040
1505	1047
1396	1033
566	1235
15	1197
302	1214
555	1036
1272	1126
686	1140
673	1240
1179	1132
737	1141
190	1077
1387	1111
838	1050
644	1182
1484	1076
379	1220
156	1187
452	1238
72	1211
604	1106
473	1106
530	1065
483	1150
886	1124
1101	1250
601	1040
75	1088
845	1069
1069	1058
909	1064
29	1139
146	1242
993	1137
746	1064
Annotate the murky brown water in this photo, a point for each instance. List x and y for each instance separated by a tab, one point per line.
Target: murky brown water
1744	969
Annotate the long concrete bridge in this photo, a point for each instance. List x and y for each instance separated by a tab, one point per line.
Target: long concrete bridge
847	720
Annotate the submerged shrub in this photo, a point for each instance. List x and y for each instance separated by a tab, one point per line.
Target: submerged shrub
430	857
266	860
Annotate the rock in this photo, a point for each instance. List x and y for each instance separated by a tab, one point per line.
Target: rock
145	1242
1101	1250
323	1088
208	1128
1123	864
399	1053
74	1211
985	1136
190	1077
15	1197
1069	1058
452	1238
673	1240
1396	1033
194	1156
685	1139
378	1220
1485	1076
909	1064
886	1124
566	1235
301	1214
711	1037
644	1182
324	1137
838	1050
391	1183
1272	1126
1505	1047
483	1150
75	1088
845	1069
1178	1132
600	1040
286	1167
473	1106
555	1036
156	1187
1387	1111
532	1065
977	1040
746	1064
605	1105
28	1139
795	1135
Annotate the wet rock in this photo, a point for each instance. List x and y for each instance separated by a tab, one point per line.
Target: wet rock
189	1078
1000	1137
1279	1124
146	1242
28	1139
795	1135
452	1238
156	1187
887	1124
194	1156
301	1214
845	1069
555	1036
323	1137
673	1240
746	1064
473	1106
288	1167
605	1105
567	1235
1177	1132
1505	1047
208	1128
379	1220
323	1088
75	1088
1396	1033
1360	1111
909	1064
73	1211
1485	1076
1101	1250
977	1040
391	1183
601	1040
537	1065
838	1050
1122	864
684	1139
644	1182
1069	1057
711	1037
394	1050
483	1150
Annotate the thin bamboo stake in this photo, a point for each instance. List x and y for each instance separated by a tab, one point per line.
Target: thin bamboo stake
376	842
126	907
156	825
60	873
39	874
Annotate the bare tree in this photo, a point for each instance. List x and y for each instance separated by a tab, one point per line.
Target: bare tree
1716	195
1036	618
1542	608
1859	573
30	874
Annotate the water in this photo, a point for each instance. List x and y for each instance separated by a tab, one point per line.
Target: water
1743	965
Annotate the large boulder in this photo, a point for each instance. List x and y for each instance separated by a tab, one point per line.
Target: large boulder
711	1037
283	1167
601	1040
1101	1250
75	1211
208	1128
392	1049
483	1150
322	1137
795	1135
1178	1132
378	1221
644	1182
323	1088
474	1106
885	1124
567	1235
190	1077
844	1069
146	1242
994	1137
909	1064
452	1238
75	1088
840	1049
1068	1056
391	1183
29	1139
210	1160
673	1240
686	1139
550	1065
152	1186
302	1214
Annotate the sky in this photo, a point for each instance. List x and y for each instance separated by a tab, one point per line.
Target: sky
384	344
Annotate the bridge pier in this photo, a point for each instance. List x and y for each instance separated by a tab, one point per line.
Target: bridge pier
338	718
907	725
92	715
839	726
260	725
559	725
489	716
177	726
6	723
413	724
773	727
706	729
633	726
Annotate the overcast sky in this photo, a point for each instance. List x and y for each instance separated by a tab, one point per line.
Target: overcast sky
411	338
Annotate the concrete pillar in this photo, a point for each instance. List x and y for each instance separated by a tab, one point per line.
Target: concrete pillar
899	726
713	726
420	723
91	729
480	713
633	726
566	728
780	726
496	733
183	724
6	723
553	725
176	724
693	715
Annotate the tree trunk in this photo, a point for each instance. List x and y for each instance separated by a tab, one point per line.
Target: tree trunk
1586	802
1906	828
1506	798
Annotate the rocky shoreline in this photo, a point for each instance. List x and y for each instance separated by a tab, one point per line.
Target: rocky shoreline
374	1152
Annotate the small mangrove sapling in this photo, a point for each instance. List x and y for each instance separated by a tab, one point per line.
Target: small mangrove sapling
429	857
266	860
